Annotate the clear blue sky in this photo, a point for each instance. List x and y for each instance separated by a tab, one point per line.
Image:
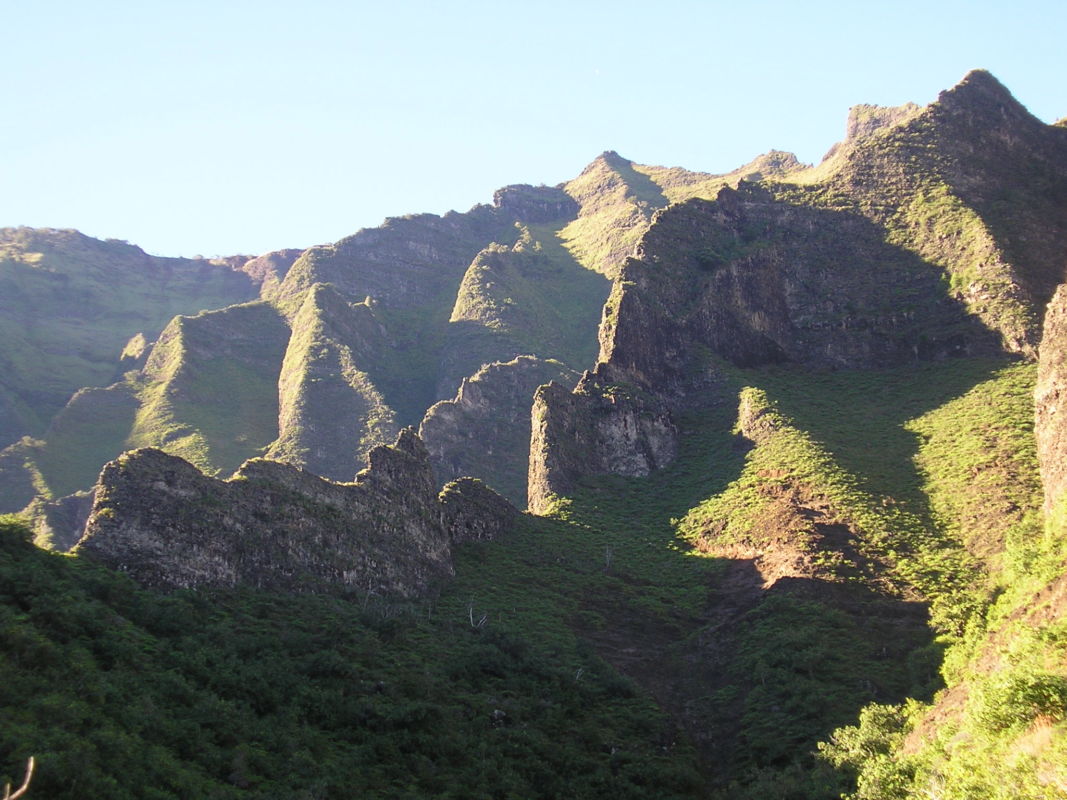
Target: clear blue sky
242	127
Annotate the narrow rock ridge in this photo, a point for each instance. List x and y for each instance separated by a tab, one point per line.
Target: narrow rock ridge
276	526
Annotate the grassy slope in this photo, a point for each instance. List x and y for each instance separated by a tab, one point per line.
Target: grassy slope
999	728
354	692
532	298
251	695
617	202
827	539
70	303
324	380
208	394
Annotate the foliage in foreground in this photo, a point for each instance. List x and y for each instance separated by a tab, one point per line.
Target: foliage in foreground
127	693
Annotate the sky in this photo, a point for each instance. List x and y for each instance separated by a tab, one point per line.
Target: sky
218	128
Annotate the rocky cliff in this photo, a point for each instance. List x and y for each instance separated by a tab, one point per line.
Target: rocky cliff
595	429
484	431
1051	403
929	233
159	519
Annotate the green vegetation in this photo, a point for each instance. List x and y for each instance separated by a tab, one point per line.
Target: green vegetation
70	303
857	498
530	298
844	585
617	202
997	729
252	695
208	394
323	378
594	652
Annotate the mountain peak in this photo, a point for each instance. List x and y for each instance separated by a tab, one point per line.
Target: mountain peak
980	92
613	159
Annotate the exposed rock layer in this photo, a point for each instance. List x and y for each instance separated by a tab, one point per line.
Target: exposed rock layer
1051	401
275	526
594	430
484	432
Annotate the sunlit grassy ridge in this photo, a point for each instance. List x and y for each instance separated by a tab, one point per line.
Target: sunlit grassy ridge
532	297
330	413
207	394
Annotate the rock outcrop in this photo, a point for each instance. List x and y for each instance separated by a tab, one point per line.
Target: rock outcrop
472	512
484	432
1050	401
275	526
535	204
595	429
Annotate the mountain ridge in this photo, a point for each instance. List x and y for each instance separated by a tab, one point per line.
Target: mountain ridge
795	479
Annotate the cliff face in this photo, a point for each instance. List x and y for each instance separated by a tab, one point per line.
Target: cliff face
593	430
484	432
928	233
757	281
1051	403
274	526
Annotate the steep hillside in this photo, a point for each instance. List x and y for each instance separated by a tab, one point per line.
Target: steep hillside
330	412
879	489
972	183
70	303
999	727
900	247
380	326
799	531
207	393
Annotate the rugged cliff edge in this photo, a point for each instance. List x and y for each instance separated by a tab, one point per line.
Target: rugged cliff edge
484	432
594	430
1050	400
929	233
275	526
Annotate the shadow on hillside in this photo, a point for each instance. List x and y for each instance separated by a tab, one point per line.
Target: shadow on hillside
756	669
860	417
767	673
